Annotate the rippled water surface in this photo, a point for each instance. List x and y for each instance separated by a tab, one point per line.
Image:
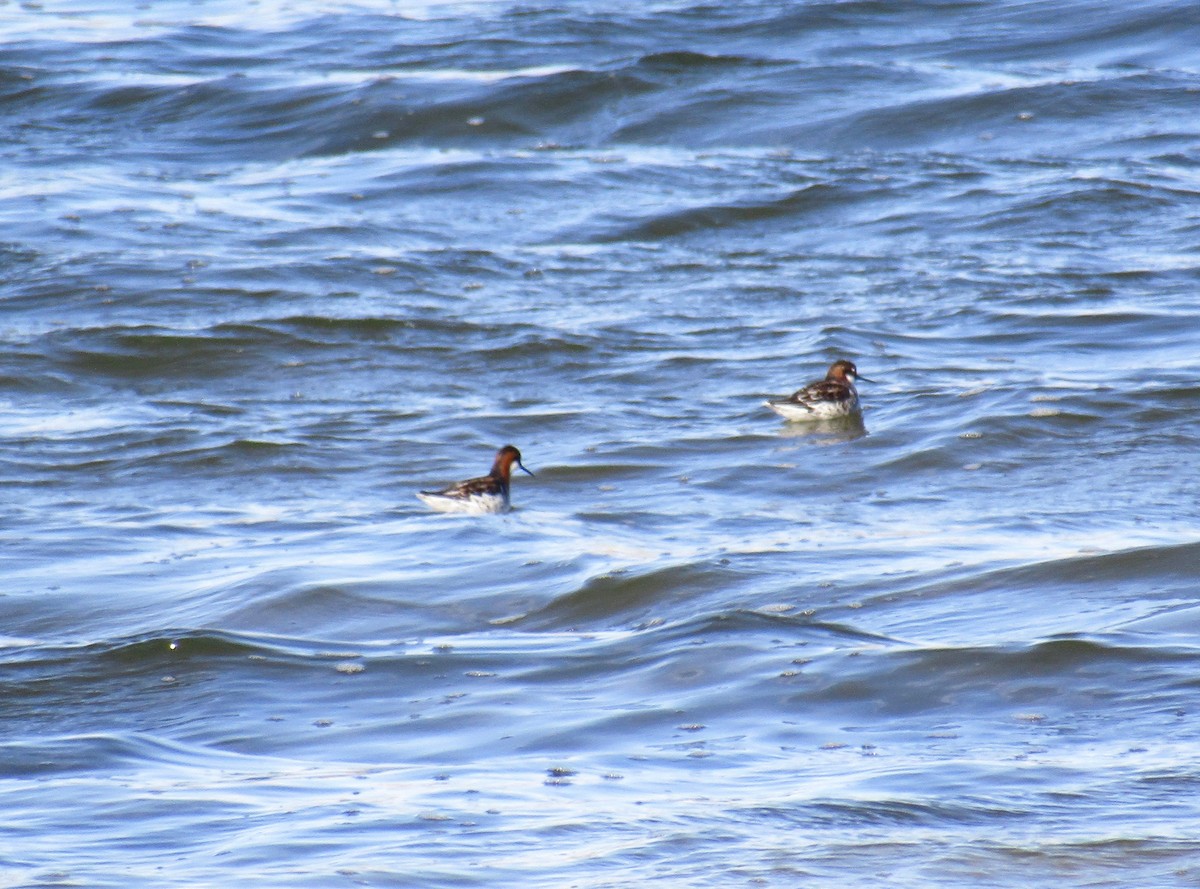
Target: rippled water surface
266	270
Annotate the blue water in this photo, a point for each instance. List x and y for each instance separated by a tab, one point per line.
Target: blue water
268	270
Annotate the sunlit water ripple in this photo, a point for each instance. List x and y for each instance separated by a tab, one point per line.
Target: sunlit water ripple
267	273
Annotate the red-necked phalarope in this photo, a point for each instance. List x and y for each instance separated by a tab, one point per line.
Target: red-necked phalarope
488	493
834	396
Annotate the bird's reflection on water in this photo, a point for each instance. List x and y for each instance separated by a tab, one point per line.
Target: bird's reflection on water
826	432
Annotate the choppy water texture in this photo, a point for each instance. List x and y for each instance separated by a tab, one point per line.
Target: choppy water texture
268	269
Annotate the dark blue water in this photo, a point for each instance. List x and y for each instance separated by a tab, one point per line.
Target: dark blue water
266	271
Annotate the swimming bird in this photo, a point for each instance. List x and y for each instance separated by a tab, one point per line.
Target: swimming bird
488	493
827	399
